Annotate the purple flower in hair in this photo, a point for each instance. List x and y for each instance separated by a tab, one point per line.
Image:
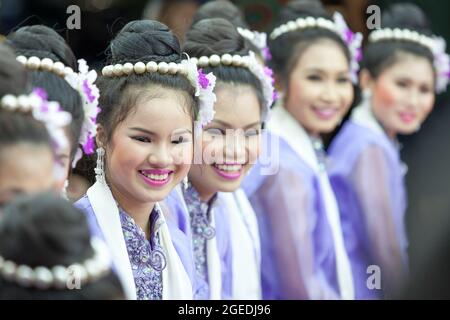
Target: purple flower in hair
202	79
269	73
41	93
358	54
275	95
349	35
94	115
266	54
89	146
87	89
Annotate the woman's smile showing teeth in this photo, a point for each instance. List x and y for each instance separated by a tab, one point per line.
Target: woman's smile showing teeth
156	177
228	171
326	113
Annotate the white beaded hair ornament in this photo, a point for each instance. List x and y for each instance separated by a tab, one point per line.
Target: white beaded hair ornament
435	44
338	26
58	277
81	81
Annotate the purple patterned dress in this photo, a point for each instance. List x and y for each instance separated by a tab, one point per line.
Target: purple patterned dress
146	256
200	218
193	218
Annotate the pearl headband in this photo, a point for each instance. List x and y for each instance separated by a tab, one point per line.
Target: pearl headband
338	26
128	68
401	34
46	64
57	277
203	84
258	39
435	44
263	74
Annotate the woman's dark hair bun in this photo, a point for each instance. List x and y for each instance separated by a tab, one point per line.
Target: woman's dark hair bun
214	36
42	42
300	9
48	228
153	38
13	76
405	16
221	9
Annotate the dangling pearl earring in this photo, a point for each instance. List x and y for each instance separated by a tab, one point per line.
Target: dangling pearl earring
418	127
99	170
366	94
64	190
185	183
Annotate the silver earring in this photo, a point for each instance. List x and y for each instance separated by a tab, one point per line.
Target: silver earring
99	169
185	183
418	127
366	94
64	190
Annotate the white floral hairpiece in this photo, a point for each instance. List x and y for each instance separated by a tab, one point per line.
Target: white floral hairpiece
83	82
47	112
44	278
353	41
263	74
338	26
204	90
258	39
435	44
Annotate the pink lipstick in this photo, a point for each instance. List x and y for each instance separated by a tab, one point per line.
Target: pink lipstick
156	177
228	171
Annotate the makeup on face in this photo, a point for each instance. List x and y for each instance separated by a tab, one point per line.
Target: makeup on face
320	91
25	169
150	152
403	94
230	142
156	177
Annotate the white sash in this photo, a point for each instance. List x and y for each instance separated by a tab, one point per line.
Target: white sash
284	125
176	283
245	246
212	255
363	116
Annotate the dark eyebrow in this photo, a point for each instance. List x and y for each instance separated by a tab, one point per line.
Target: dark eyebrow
225	124
314	70
143	130
183	131
253	124
322	71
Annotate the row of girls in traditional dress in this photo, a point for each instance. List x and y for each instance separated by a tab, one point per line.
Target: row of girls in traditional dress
192	198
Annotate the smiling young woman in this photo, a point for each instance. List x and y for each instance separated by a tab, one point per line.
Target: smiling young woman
302	239
145	148
221	223
400	72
